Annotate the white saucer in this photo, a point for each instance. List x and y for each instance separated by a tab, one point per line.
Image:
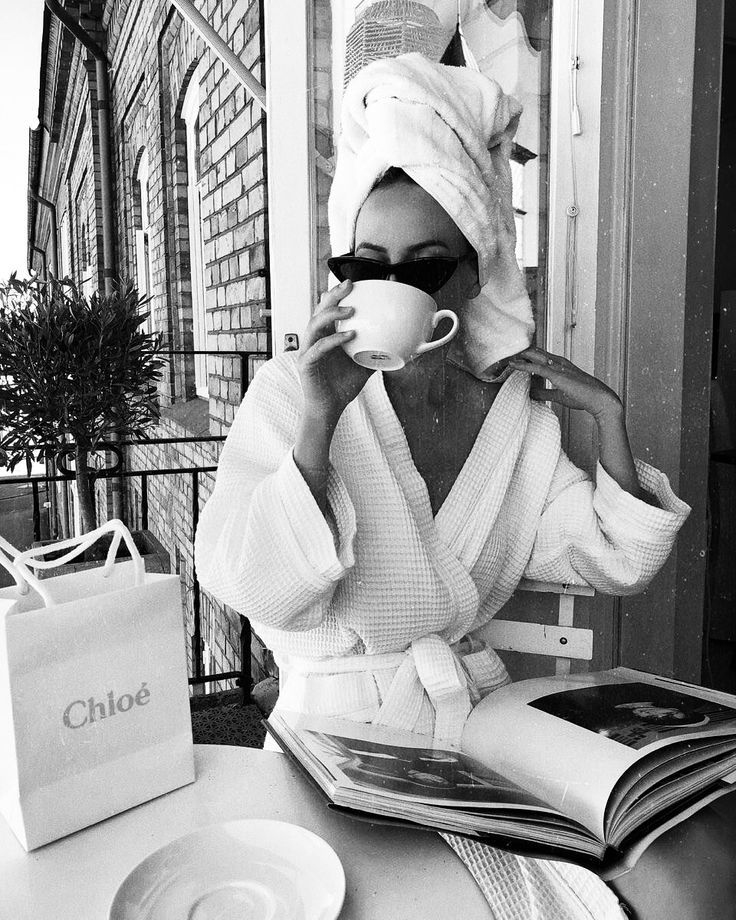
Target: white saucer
238	870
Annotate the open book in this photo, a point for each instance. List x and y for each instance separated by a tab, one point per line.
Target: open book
589	767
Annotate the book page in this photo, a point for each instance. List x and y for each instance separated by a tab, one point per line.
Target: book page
403	765
571	738
634	850
643	711
572	769
408	777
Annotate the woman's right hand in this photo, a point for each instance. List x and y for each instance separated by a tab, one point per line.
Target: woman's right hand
330	379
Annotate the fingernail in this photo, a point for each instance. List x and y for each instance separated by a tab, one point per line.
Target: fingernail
346	308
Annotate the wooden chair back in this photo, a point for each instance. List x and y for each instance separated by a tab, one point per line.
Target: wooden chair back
565	642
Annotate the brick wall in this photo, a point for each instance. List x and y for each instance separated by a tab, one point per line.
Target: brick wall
76	186
155	59
170	518
153	55
233	209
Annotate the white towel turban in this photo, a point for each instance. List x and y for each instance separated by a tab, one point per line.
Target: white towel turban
450	130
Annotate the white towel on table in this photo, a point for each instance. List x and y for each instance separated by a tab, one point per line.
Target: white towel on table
523	888
450	130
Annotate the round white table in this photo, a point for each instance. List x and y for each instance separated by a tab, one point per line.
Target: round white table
391	873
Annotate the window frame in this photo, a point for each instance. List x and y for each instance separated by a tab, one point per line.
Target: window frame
291	170
143	266
573	205
190	110
65	253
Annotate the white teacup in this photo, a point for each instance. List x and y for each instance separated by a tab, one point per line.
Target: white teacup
393	324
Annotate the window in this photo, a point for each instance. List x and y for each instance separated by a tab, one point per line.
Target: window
534	48
511	42
65	260
84	276
142	236
190	114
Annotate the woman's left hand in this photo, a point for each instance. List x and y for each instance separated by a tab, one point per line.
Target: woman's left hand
574	388
571	386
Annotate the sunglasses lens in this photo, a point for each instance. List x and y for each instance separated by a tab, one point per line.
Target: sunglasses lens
352	268
427	274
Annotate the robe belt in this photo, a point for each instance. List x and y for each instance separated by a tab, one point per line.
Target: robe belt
428	666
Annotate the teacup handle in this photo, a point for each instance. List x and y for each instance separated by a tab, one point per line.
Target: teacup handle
440	315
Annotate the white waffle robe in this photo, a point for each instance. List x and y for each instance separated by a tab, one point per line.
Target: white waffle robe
377	612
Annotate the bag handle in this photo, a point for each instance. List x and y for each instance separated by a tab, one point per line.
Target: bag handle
8	555
76	546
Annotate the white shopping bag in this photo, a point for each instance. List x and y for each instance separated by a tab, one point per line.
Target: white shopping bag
94	701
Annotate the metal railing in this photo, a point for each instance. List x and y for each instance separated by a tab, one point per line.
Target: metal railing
35	495
198	675
244	675
243	356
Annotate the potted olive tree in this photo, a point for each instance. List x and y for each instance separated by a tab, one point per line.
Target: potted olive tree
74	371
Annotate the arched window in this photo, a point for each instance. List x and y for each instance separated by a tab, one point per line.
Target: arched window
83	249
65	256
142	246
83	274
87	278
190	114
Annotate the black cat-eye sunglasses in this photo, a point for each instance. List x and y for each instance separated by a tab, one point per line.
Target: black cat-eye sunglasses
428	274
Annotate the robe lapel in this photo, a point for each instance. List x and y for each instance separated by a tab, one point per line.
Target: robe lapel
471	509
396	450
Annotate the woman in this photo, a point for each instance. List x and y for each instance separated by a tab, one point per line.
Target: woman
370	525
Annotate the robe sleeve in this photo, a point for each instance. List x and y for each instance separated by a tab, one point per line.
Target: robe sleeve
600	534
262	545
